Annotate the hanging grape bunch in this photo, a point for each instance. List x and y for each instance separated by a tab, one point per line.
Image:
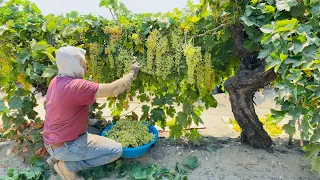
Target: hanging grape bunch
95	64
176	42
123	59
114	32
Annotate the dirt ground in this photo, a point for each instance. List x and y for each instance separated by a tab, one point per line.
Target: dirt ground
229	160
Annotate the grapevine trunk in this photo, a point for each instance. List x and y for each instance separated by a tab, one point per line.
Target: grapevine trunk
242	87
241	91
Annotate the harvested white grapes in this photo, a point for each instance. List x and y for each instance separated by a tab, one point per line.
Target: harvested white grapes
130	133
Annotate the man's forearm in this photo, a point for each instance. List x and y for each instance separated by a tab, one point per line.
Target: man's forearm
115	88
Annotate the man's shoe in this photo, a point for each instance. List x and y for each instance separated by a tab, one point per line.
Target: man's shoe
64	173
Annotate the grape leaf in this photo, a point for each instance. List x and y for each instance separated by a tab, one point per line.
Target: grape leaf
264	53
271	63
315	10
35	136
144	97
2	106
13	173
15	103
297	11
157	114
316	118
306	126
50	56
247	21
7	12
145	110
285	4
316	164
40	46
316	135
226	35
6	121
158	101
277	114
266	39
311	150
286	106
269	9
175	131
99	172
147	172
29	174
182	119
194	19
286	25
196	118
268	28
18	120
23	57
248	44
181	169
210	101
171	111
73	14
3	28
160	172
187	108
49	72
191	162
289	129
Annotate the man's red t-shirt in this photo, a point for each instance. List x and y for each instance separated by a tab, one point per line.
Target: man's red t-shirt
67	108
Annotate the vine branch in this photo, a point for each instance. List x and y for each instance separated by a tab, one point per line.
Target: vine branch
211	30
114	18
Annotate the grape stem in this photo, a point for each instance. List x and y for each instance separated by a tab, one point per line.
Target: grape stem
114	18
212	30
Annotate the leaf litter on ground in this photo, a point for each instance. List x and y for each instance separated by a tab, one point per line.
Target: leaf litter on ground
136	170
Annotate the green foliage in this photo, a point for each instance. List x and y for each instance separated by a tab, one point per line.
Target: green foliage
191	162
29	41
189	46
35	172
137	170
289	37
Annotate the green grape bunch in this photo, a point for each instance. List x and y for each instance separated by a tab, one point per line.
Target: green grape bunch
130	133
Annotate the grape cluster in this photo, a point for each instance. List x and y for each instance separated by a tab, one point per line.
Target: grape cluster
193	57
205	75
200	72
176	41
115	33
124	59
95	66
136	38
110	50
164	60
130	133
152	48
160	58
5	67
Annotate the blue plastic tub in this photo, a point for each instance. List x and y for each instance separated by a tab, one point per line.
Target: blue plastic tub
138	151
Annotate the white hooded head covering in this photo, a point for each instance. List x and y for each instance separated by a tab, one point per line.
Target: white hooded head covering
69	60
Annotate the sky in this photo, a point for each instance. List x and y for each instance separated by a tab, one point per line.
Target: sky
58	7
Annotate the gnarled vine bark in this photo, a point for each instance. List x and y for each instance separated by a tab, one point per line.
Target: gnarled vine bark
242	87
